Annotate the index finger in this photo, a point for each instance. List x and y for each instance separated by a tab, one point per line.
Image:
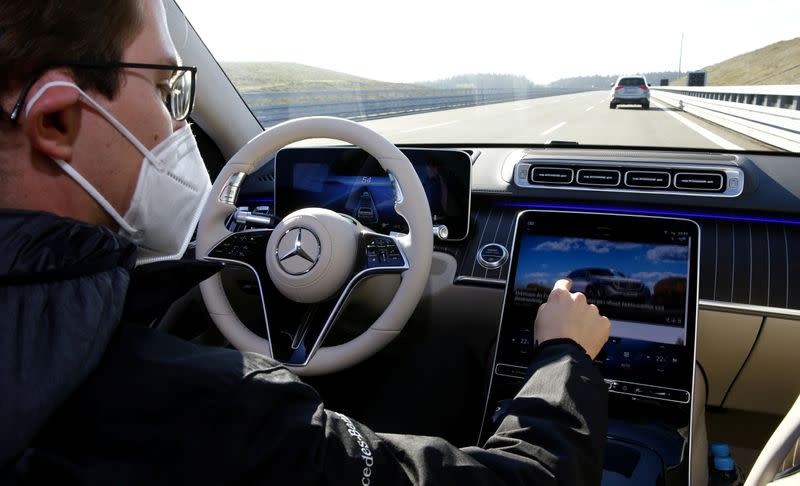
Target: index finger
563	283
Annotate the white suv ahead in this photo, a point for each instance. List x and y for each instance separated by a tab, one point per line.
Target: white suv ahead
631	90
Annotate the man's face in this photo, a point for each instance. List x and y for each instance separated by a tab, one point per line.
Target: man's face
101	153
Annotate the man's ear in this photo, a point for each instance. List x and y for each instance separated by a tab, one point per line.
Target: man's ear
53	122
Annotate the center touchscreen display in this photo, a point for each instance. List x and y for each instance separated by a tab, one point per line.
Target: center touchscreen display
351	182
640	272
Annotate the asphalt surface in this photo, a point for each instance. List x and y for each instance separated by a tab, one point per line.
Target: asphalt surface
583	117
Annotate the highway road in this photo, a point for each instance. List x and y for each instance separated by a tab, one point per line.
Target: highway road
582	117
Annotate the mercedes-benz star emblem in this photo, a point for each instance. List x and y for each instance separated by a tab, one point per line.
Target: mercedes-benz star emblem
298	251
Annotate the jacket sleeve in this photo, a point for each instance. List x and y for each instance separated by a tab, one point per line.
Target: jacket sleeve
553	433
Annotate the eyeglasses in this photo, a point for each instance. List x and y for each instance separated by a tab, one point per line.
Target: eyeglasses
178	94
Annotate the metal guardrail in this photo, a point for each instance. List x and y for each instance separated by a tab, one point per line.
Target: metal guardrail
770	114
275	107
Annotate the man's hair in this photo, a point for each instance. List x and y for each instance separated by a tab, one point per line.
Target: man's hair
38	34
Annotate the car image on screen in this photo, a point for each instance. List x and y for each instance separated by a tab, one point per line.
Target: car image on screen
608	283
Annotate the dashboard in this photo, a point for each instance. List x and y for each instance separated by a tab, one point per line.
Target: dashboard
749	241
750	229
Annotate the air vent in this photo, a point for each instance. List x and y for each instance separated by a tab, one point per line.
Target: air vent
647	179
268	177
623	176
551	175
599	177
699	181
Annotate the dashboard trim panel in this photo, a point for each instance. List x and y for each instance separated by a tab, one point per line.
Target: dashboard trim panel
755	310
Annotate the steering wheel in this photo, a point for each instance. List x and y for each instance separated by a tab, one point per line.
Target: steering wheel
768	464
308	265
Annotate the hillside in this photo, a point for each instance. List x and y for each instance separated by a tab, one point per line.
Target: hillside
777	63
287	76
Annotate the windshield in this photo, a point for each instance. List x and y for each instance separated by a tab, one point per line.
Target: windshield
523	73
631	82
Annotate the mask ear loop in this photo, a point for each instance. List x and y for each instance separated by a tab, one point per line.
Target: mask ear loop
103	112
103	202
86	185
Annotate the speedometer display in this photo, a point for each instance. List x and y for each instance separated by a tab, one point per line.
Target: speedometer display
350	181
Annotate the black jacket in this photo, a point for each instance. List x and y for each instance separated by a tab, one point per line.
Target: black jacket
93	401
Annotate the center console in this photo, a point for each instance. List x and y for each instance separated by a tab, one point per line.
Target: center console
641	272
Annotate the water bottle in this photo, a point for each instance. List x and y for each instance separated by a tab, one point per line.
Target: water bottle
718	449
724	473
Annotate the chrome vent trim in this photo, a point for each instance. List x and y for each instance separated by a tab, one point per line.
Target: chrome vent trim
732	176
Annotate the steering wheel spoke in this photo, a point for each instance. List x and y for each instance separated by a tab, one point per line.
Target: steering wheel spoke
298	330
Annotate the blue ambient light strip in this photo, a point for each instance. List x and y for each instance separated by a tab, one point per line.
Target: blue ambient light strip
255	200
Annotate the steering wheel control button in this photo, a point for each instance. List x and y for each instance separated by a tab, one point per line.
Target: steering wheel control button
298	251
551	175
599	177
382	252
241	246
492	256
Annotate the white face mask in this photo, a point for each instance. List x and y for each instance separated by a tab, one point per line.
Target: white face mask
170	193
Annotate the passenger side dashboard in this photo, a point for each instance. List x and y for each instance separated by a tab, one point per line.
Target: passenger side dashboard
749	261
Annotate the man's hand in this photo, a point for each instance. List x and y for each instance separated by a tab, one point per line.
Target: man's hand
568	315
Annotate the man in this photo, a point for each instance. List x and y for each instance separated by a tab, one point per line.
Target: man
92	120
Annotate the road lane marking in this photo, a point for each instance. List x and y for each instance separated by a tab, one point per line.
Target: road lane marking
553	129
437	125
587	109
712	137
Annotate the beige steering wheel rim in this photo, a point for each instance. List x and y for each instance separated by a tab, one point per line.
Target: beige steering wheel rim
417	245
779	445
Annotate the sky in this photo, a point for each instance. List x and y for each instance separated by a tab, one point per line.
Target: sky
545	259
421	40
